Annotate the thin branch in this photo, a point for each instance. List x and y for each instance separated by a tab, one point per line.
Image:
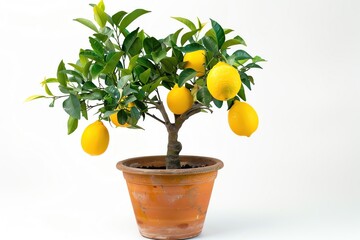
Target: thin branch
155	117
196	108
161	108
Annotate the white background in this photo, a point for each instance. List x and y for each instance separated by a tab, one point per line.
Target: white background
297	177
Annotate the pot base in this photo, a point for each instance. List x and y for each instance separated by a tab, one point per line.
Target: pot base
170	203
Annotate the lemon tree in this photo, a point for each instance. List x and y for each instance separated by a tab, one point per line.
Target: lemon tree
118	75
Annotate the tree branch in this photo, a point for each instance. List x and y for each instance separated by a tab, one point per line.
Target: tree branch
196	108
155	117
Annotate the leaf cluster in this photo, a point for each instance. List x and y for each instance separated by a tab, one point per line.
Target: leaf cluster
124	66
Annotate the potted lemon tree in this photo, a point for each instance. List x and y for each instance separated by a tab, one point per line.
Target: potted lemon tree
118	77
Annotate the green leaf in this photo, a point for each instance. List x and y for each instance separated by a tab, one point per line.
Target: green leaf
111	64
187	22
174	36
84	110
241	55
210	44
151	44
134	113
204	96
231	42
245	80
114	92
186	75
258	59
142	61
241	93
62	77
95	95
72	124
90	54
117	17
158	56
187	36
123	81
122	116
129	40
100	16
129	18
74	73
72	106
169	64
144	77
192	47
89	86
47	90
33	97
87	23
219	32
96	69
96	46
253	65
218	103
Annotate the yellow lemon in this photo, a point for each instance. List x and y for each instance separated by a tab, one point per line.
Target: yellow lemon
223	81
95	138
114	119
179	99
243	119
196	60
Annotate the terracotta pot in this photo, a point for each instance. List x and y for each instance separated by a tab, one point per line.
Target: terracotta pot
170	203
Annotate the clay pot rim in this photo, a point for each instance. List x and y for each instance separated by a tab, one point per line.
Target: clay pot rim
131	165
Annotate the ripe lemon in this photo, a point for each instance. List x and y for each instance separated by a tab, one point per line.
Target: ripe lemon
223	81
196	60
114	119
179	99
95	138
243	119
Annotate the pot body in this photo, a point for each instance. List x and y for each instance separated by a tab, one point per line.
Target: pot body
170	203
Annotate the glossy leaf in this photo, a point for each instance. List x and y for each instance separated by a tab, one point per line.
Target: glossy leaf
210	44
241	93
241	55
111	64
151	44
72	124
218	103
89	86
169	64
129	18
72	106
174	36
204	96
192	47
245	80
96	46
144	77
258	59
84	109
187	22
100	16
253	65
87	23
158	56
219	33
96	69
117	17
47	90
235	41
33	97
129	40
187	36
122	116
62	77
186	75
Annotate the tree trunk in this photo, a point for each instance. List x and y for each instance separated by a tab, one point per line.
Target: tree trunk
173	149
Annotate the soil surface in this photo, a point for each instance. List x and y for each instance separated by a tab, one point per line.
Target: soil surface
186	166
